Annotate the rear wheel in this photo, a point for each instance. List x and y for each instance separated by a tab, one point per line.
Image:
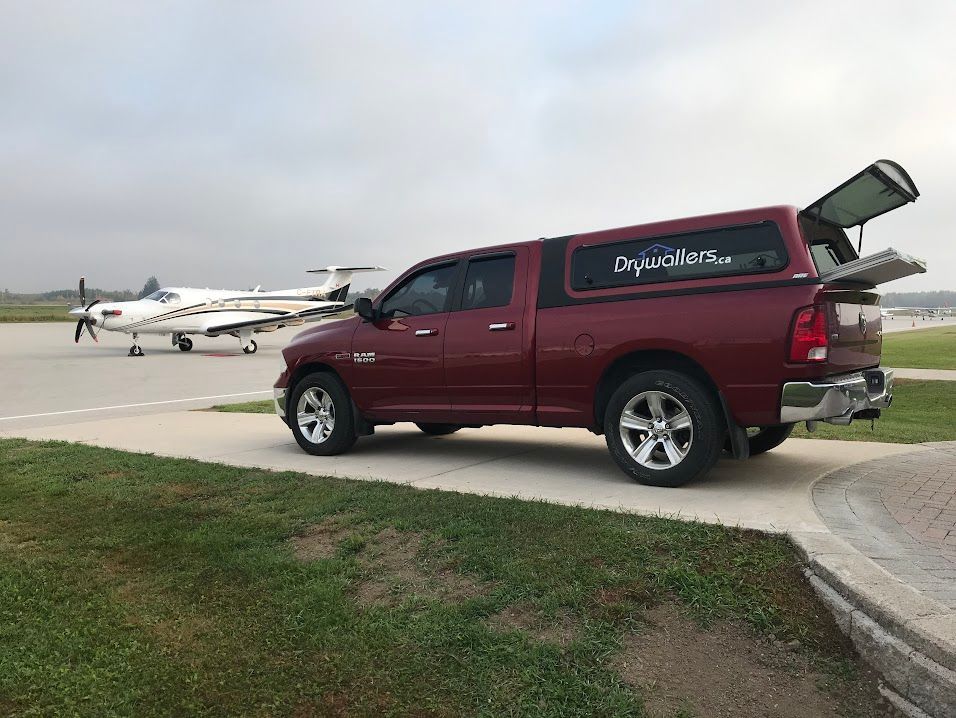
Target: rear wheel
766	438
439	429
322	422
663	428
185	344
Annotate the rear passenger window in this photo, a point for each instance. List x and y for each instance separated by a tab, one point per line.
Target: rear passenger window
749	249
489	283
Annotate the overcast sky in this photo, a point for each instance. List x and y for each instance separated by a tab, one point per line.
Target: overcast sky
239	143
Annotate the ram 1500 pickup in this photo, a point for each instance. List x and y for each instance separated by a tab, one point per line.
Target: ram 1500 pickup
676	340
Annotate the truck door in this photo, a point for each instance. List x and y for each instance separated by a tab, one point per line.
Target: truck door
397	360
488	360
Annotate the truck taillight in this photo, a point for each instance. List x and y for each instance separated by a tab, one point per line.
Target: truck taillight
808	340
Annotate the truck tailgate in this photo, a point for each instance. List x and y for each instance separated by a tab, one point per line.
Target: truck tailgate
855	325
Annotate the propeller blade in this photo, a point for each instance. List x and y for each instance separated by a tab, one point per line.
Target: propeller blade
82	290
89	326
95	301
79	332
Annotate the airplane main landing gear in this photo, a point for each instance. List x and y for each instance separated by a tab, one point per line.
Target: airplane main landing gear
136	350
251	347
184	343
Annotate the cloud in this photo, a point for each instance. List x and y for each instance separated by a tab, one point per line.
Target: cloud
237	144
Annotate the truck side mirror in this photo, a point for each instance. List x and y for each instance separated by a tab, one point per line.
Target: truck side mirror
363	307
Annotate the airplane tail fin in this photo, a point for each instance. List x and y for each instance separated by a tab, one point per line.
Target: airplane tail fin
336	286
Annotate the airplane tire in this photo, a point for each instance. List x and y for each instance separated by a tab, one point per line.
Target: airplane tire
185	344
251	348
322	390
136	351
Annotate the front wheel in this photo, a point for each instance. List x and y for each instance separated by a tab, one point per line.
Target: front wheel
251	347
439	429
663	428
322	423
185	344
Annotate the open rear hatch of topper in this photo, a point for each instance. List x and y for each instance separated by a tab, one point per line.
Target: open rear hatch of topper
878	189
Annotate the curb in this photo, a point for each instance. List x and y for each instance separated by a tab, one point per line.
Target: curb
909	638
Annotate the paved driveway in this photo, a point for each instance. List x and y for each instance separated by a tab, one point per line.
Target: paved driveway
571	466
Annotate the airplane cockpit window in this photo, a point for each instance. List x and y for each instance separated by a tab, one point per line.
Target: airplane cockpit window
157	295
171	298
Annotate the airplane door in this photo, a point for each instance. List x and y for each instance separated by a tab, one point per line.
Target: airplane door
398	365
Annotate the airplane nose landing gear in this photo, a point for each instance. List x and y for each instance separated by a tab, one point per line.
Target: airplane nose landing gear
136	350
251	347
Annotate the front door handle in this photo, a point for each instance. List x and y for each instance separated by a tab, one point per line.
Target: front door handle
426	332
501	326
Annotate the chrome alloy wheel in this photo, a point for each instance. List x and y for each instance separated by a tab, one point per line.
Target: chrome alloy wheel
316	415
656	430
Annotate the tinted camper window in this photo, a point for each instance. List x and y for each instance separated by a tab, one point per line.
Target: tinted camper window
750	249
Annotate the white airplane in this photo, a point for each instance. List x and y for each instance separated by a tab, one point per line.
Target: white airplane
181	311
941	312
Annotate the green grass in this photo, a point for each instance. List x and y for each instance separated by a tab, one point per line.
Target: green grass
34	313
921	411
265	406
923	349
136	585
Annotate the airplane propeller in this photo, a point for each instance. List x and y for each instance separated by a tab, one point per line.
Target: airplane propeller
84	322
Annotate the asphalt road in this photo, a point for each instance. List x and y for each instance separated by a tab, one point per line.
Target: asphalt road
42	372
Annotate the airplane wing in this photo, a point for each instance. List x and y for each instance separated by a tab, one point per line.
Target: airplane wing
291	319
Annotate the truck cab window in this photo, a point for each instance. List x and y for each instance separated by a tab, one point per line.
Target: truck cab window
489	283
422	293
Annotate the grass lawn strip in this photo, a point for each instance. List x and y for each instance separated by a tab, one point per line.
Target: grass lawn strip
34	313
922	411
923	349
136	585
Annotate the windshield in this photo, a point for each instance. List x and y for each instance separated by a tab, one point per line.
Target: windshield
829	245
164	297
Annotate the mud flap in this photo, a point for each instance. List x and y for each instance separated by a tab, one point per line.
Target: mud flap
739	443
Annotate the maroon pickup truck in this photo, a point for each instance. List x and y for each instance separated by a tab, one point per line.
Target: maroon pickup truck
676	340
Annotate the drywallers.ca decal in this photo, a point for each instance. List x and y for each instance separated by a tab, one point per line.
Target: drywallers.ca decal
660	255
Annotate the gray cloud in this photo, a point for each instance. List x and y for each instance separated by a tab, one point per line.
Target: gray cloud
232	144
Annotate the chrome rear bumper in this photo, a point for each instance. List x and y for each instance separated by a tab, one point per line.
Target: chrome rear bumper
278	396
836	399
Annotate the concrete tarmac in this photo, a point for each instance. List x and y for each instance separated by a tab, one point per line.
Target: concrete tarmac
42	372
570	466
909	324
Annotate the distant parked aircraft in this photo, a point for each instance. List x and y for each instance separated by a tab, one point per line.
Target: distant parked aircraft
181	311
941	312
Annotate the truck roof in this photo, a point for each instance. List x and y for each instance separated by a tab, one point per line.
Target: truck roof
670	226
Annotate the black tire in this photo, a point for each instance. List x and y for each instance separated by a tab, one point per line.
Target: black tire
763	438
698	444
185	344
439	429
342	436
251	348
769	437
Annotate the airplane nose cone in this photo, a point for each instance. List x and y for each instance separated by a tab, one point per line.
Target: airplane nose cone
78	312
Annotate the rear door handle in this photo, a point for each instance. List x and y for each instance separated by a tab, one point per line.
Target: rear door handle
426	332
501	326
